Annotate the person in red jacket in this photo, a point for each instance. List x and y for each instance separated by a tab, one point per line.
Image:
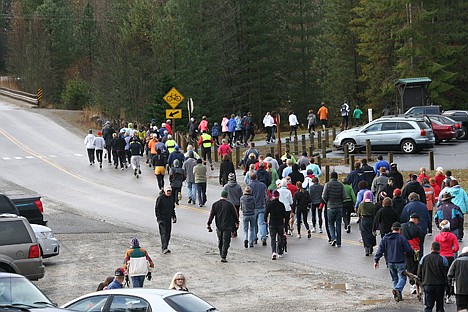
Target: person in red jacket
436	187
448	248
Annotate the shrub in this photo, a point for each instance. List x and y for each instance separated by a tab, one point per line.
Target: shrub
76	94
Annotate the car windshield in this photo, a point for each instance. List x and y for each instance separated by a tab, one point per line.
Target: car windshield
19	291
187	302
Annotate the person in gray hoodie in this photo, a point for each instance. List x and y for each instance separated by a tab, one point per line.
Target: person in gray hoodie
234	191
190	178
333	195
247	206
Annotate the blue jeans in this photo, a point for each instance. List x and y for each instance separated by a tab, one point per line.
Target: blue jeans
396	272
334	224
249	223
192	192
137	281
260	223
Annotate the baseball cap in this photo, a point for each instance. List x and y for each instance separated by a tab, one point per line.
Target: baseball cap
119	272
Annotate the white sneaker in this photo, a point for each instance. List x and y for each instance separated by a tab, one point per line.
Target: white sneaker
273	256
298	235
313	230
448	300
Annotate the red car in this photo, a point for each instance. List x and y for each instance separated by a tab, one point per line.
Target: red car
443	132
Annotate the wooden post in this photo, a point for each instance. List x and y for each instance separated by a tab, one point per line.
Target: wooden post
346	153
287	145
296	146
333	133
327	138
304	143
390	157
272	151
351	160
324	149
431	160
184	143
237	157
215	151
311	151
319	139
368	150
319	161
327	173
312	137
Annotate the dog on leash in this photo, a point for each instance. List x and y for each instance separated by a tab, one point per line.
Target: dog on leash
417	281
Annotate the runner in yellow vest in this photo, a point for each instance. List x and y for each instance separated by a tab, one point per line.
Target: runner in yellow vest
170	144
205	142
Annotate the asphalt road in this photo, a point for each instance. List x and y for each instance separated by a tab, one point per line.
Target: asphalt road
42	156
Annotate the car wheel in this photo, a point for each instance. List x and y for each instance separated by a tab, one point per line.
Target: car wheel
408	147
351	145
464	134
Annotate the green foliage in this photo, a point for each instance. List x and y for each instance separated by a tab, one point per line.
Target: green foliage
236	56
76	95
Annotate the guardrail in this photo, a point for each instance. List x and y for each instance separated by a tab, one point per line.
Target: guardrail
20	95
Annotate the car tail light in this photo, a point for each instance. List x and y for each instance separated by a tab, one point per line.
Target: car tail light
457	126
423	132
34	252
39	205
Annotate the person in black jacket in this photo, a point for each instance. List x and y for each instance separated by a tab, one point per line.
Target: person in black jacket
226	218
176	177
275	209
368	171
385	217
396	175
225	169
119	147
295	175
165	215
432	274
414	186
301	206
458	273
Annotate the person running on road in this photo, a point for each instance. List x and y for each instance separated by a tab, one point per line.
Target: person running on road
293	124
225	217
268	122
136	150
159	164
188	169
344	115
259	192
311	121
89	142
322	114
357	113
234	194
206	141
333	195
176	178
199	173
99	145
301	203
107	134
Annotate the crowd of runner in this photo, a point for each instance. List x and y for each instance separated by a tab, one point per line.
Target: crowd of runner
280	192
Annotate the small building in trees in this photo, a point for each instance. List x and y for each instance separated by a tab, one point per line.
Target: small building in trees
413	92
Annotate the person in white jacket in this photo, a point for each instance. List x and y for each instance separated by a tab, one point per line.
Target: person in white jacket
293	124
268	122
89	142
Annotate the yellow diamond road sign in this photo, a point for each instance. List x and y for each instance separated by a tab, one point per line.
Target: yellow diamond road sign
174	113
173	97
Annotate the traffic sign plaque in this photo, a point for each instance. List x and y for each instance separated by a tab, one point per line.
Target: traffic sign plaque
174	113
173	98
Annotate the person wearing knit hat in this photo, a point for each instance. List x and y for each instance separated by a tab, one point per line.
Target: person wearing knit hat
276	212
234	191
226	221
457	276
164	210
366	212
138	264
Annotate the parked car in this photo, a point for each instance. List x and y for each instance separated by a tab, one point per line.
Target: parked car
17	293
139	299
24	205
45	237
424	110
406	133
462	117
19	251
449	121
443	132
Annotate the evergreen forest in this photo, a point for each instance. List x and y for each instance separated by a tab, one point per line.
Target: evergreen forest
229	56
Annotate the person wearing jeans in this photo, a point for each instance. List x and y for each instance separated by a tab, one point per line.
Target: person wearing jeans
334	194
199	173
247	206
394	247
259	192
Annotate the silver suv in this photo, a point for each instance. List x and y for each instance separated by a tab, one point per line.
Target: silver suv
19	251
408	134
